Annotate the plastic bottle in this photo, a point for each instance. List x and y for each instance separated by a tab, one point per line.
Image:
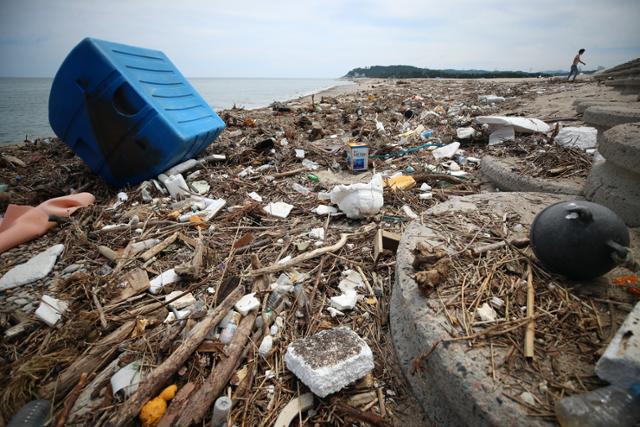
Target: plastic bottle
221	409
229	329
603	407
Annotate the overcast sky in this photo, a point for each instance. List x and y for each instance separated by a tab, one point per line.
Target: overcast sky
327	38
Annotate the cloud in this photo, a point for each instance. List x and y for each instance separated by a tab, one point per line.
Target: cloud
324	38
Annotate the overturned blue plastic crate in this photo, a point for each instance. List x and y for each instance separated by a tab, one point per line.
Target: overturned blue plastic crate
128	112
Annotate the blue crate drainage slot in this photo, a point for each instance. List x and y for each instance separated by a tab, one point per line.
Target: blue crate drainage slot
128	112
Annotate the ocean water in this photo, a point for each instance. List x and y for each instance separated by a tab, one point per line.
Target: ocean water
24	102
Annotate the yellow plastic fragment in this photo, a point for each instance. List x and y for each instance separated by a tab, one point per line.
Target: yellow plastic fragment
153	410
402	182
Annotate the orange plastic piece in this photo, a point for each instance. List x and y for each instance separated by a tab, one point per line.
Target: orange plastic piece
152	411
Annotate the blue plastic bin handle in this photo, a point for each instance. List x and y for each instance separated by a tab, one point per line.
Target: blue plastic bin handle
126	100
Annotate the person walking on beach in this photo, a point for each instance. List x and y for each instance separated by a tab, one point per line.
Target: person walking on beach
574	66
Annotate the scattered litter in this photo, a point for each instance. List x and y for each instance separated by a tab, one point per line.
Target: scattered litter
175	184
182	302
299	153
311	165
247	303
51	310
446	152
520	124
300	188
317	233
486	313
359	200
278	209
409	212
357	156
577	137
465	133
401	182
127	379
163	279
329	360
265	346
490	99
152	411
255	196
502	134
201	187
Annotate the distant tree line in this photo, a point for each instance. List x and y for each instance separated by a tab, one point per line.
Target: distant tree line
410	72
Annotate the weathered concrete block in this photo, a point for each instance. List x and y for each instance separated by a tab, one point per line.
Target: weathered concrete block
603	118
620	363
616	188
582	106
621	146
329	360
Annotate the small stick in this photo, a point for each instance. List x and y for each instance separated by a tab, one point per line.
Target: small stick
71	400
159	247
531	325
519	243
301	258
96	301
383	409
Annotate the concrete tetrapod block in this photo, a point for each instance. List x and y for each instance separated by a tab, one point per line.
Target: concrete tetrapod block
604	117
620	145
616	188
626	86
505	176
329	360
582	106
620	363
454	385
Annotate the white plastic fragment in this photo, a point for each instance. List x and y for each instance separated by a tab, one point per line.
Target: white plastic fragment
334	312
502	134
329	360
490	99
163	279
299	153
425	196
425	187
127	378
409	212
446	152
36	268
182	314
359	200
345	301
255	196
247	303
212	207
577	137
122	196
182	302
202	187
520	124
317	233
246	171
51	310
486	313
176	185
324	210
300	188
265	346
278	209
465	133
310	164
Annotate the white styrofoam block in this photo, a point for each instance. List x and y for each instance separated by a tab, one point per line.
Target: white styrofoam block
317	233
182	314
579	137
278	209
51	310
345	301
182	302
620	363
255	196
329	360
36	268
446	152
247	303
163	279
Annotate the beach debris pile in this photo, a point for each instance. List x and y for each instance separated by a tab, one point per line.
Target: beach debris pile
219	274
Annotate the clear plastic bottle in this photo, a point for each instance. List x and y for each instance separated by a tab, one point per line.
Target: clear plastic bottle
604	407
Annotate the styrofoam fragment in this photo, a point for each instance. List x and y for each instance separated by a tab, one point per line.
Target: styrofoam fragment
36	268
324	210
520	124
247	303
278	209
486	313
329	360
409	212
317	233
51	310
502	134
182	314
299	153
345	301
579	137
620	363
182	302
425	187
334	312
446	152
163	279
255	196
265	346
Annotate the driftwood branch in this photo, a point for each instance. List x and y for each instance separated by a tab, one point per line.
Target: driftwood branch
301	258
